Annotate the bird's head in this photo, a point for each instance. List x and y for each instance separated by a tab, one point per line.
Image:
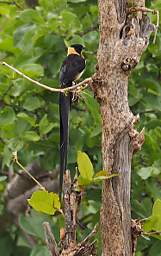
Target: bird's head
75	49
78	47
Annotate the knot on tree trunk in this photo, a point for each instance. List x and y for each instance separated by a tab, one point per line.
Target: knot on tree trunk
97	82
135	38
137	138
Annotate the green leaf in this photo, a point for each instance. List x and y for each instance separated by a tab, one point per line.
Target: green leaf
146	172
31	120
68	17
6	244
92	106
40	250
157	208
45	126
7	45
85	166
4	10
153	223
30	15
7	116
83	182
33	70
43	201
31	136
19	87
32	103
103	175
56	201
21	127
32	224
7	157
22	250
154	248
71	23
76	39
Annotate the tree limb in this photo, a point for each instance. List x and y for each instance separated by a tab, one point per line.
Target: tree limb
79	86
50	239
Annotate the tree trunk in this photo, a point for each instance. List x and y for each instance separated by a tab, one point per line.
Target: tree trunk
123	38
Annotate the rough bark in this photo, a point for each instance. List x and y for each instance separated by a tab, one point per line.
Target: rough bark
123	39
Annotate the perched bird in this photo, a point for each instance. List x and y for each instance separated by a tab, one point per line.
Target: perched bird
71	70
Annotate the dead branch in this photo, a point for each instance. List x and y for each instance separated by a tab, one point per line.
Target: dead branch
68	242
79	86
88	238
50	239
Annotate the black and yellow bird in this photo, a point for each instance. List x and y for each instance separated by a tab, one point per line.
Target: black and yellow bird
71	70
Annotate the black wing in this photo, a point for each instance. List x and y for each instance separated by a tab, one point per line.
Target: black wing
72	66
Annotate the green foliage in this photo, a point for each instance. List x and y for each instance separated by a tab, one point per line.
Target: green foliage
40	250
43	201
86	170
32	224
153	223
85	167
102	175
6	245
45	126
34	41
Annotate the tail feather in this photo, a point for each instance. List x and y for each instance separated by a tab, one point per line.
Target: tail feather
64	109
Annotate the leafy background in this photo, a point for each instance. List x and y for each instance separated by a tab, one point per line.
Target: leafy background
33	38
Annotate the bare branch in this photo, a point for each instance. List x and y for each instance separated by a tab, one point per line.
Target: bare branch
15	159
152	233
93	232
50	239
80	85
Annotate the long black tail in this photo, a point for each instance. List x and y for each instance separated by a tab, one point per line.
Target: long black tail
64	109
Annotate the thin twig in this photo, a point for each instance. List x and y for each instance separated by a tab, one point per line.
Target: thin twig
157	25
151	233
15	159
93	232
86	250
84	83
142	220
50	239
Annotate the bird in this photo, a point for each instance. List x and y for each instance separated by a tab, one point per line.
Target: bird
71	70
